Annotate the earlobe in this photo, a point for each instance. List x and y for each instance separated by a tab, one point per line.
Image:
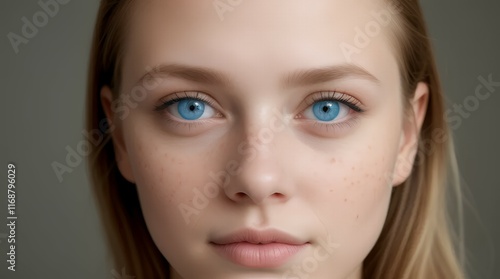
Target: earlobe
410	135
121	155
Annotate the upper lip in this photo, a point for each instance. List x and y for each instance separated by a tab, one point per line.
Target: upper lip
258	237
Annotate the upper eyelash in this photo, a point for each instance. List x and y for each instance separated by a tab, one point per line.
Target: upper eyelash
343	98
197	96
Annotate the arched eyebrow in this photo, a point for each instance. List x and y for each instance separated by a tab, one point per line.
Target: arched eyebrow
326	74
191	73
297	78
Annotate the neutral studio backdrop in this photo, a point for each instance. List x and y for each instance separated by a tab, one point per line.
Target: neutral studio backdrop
58	234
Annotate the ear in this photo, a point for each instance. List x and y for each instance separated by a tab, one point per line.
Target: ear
121	155
409	141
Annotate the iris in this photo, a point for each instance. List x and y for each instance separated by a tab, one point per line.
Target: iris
326	110
190	109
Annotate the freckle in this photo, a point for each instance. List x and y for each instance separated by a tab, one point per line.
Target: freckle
352	183
333	161
331	190
357	216
369	147
353	168
345	200
345	178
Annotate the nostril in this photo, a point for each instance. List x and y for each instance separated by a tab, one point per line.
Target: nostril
240	195
278	195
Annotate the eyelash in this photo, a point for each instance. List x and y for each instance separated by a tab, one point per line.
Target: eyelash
188	94
336	96
343	98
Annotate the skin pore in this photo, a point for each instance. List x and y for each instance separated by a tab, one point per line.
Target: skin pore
260	78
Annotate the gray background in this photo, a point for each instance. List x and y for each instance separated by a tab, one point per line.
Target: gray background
43	89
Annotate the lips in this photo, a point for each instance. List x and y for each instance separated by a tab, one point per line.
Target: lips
258	249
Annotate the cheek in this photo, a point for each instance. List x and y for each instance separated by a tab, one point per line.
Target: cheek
165	178
352	198
164	181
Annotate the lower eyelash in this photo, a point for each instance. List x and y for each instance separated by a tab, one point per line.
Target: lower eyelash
185	124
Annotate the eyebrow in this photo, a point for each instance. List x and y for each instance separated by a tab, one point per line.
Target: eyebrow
297	78
325	74
192	73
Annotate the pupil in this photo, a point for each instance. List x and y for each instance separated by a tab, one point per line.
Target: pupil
326	108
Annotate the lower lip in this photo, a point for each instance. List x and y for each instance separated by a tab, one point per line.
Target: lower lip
269	255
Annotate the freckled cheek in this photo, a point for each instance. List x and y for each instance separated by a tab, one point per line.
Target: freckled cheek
169	179
355	189
353	204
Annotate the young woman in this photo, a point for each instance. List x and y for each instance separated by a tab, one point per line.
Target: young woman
270	139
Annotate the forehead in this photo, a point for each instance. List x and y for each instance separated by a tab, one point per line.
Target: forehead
277	35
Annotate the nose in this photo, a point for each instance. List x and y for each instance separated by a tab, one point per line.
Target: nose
263	176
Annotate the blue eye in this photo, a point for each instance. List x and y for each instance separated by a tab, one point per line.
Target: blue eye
190	109
327	110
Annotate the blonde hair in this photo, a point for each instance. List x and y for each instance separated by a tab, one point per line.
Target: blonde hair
416	241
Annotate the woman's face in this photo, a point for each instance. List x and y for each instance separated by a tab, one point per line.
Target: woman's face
263	139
